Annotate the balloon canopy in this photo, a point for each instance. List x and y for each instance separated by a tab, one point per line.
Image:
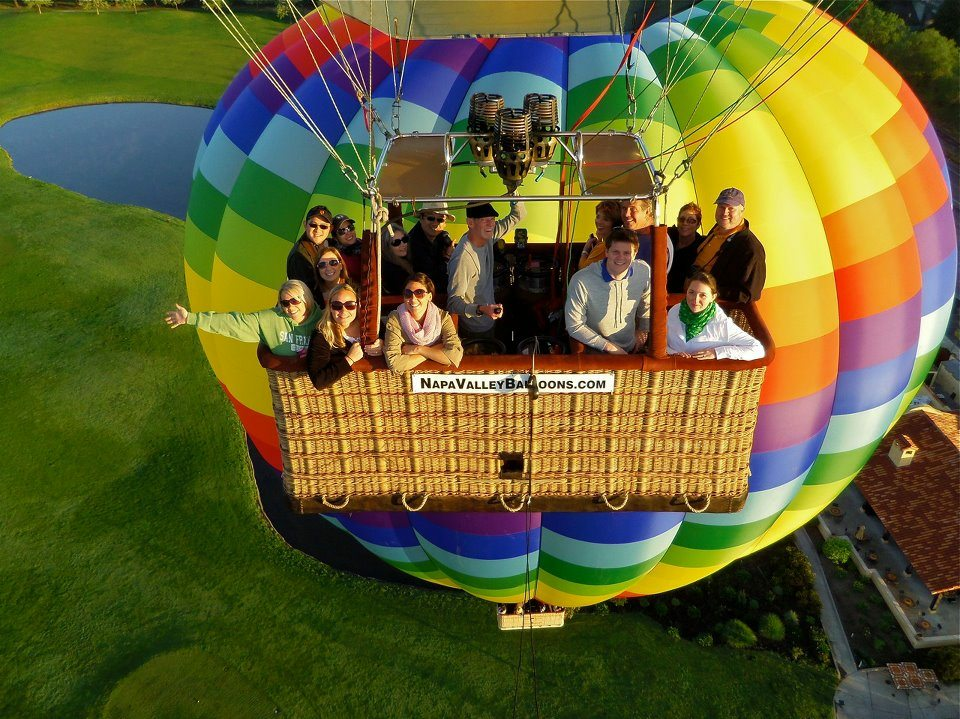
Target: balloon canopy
845	185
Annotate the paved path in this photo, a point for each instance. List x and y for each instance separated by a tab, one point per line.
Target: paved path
865	694
839	646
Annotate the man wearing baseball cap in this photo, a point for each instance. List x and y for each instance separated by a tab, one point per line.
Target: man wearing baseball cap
470	292
732	253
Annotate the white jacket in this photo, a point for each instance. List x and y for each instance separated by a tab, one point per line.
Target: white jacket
720	334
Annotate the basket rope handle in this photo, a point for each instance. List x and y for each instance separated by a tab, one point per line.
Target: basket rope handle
626	498
403	501
346	501
524	498
692	509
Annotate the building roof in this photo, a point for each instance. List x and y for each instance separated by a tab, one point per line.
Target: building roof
920	504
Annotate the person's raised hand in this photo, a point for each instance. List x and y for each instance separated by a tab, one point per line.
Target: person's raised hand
176	317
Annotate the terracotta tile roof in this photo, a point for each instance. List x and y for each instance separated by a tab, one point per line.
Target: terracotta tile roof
920	504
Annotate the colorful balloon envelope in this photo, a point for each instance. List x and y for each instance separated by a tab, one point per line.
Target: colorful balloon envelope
845	185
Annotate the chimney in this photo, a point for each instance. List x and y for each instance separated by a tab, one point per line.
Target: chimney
902	451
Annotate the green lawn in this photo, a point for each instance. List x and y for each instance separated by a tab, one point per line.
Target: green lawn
137	575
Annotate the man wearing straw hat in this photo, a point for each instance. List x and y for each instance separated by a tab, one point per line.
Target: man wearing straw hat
425	255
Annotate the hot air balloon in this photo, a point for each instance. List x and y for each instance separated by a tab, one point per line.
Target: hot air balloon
845	184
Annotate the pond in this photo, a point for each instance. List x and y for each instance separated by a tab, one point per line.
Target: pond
128	153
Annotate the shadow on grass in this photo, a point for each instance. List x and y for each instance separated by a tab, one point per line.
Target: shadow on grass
315	536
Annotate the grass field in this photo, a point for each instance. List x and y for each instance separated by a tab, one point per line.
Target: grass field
137	575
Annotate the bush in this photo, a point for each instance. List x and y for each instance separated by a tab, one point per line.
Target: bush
771	628
790	618
602	609
859	585
945	661
673	633
660	609
674	601
738	635
797	653
704	639
619	603
879	645
693	612
837	550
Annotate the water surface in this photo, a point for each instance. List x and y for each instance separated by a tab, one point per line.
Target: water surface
129	153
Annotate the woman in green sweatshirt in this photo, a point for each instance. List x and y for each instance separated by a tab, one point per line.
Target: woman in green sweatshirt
284	329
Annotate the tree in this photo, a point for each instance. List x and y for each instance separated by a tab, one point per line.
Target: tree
947	19
878	28
39	4
771	628
837	550
175	3
738	635
95	5
132	4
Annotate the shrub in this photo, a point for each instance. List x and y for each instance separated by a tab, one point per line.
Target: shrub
619	603
754	605
643	602
879	644
704	639
738	635
837	550
673	633
771	628
660	609
863	607
693	611
778	590
674	601
945	661
602	609
859	585
797	653
790	618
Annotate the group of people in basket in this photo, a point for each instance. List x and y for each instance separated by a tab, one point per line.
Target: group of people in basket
607	307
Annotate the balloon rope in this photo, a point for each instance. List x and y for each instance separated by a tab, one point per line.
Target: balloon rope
626	54
235	29
316	63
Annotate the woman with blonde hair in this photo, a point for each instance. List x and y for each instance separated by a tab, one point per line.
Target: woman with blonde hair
607	217
335	345
284	329
686	240
418	330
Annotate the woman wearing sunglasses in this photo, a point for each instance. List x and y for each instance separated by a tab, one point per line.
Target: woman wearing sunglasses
418	330
306	250
335	344
396	265
331	274
686	244
345	239
285	329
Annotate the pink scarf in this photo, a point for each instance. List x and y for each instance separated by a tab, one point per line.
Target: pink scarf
426	335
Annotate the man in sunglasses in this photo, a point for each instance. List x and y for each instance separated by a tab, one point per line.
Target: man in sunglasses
424	251
303	256
470	291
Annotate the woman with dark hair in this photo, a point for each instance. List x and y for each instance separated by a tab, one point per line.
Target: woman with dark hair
607	217
686	243
344	236
335	345
395	251
699	329
284	329
306	250
418	330
331	272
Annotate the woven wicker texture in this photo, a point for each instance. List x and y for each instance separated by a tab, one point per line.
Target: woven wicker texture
662	433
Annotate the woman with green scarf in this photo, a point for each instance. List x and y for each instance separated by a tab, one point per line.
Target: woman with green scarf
698	328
